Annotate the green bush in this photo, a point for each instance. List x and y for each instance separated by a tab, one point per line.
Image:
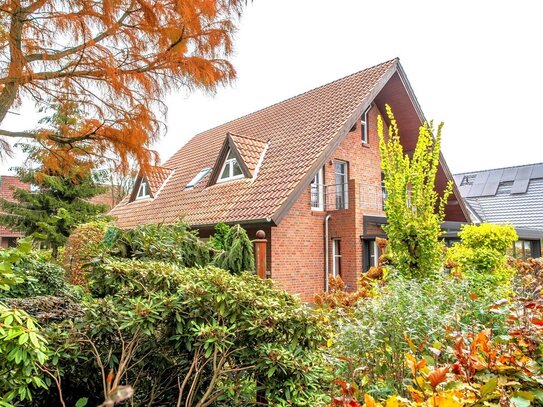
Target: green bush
22	349
405	316
481	257
40	275
225	336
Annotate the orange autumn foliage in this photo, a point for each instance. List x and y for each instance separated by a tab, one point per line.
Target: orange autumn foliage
115	59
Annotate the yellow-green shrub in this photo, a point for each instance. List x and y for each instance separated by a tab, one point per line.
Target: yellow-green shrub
481	257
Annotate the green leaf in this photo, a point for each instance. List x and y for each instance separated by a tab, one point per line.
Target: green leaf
489	387
82	402
23	338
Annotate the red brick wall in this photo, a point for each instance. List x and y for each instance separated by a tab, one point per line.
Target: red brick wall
297	250
298	241
364	168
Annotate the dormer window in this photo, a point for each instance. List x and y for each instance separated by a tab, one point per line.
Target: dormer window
143	191
231	169
364	126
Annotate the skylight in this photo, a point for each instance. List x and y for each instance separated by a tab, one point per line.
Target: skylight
198	178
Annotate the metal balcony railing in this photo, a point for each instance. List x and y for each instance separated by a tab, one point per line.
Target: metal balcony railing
372	197
330	197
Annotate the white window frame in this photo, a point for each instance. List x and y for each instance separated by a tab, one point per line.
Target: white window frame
364	126
143	190
230	162
374	257
342	190
318	181
336	243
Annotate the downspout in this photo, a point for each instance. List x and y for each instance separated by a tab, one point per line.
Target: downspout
326	259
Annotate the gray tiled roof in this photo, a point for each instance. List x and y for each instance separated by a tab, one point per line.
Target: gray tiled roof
505	195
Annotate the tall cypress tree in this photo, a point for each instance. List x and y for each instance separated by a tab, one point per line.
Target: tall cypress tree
62	185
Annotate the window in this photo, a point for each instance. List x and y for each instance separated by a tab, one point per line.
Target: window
231	169
522	249
200	176
364	126
336	257
340	168
317	191
143	192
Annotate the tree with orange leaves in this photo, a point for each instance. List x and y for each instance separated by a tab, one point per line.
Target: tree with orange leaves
114	59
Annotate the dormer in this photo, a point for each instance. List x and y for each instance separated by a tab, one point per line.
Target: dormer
150	182
240	157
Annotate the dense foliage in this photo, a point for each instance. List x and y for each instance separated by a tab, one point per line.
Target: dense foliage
57	205
23	349
413	208
199	335
481	257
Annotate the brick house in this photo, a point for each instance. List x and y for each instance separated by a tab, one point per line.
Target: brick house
9	183
306	171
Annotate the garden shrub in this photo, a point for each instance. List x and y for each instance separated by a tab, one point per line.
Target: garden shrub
237	251
40	276
481	258
529	276
403	316
83	244
230	336
23	351
170	243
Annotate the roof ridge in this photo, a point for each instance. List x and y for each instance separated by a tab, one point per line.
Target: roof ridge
248	137
500	168
396	60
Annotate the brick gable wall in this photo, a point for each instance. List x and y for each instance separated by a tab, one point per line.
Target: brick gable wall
298	241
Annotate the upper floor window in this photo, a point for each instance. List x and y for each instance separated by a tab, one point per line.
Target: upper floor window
317	191
364	126
342	177
231	169
143	191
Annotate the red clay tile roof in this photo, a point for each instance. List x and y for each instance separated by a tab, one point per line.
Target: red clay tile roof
250	150
300	131
156	177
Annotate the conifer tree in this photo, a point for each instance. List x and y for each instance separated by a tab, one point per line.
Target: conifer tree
62	184
55	206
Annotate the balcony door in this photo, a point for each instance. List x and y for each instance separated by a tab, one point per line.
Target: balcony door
341	169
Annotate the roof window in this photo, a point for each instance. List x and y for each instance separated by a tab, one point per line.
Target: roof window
200	176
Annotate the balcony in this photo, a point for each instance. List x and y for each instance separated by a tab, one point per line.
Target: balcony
372	197
329	197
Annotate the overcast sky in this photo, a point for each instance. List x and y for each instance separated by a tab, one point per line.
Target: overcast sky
472	64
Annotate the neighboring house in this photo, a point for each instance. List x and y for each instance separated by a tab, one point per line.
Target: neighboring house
306	171
9	183
512	195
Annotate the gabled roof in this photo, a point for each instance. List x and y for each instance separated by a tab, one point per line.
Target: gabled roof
505	195
248	151
286	142
155	176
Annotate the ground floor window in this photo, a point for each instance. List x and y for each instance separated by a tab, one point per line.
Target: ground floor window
371	254
522	249
336	257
